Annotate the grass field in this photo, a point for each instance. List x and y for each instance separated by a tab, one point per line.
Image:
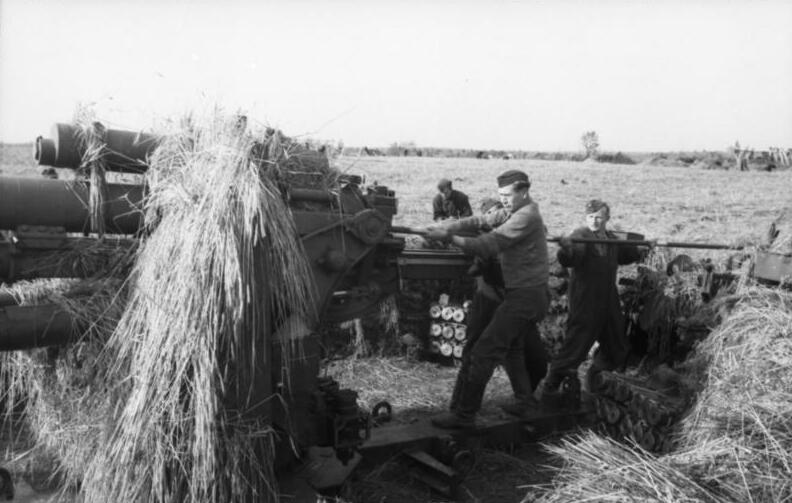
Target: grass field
666	203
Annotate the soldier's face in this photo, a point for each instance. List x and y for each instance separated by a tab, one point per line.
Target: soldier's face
512	199
596	221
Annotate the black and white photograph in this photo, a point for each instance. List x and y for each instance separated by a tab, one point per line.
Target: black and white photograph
513	251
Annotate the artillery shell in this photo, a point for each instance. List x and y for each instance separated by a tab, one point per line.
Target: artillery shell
622	392
437	329
655	414
612	412
459	315
435	311
458	350
625	427
447	313
446	349
666	444
635	405
648	440
460	332
448	331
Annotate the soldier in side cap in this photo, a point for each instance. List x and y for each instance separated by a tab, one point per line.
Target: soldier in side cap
518	240
594	310
450	203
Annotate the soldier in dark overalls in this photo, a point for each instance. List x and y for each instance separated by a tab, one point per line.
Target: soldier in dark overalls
595	313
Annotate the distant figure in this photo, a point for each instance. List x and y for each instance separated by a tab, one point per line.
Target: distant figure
49	173
450	203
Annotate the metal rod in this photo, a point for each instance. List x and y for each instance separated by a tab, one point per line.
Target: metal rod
617	242
644	242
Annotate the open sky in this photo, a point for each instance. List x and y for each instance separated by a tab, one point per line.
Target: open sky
646	75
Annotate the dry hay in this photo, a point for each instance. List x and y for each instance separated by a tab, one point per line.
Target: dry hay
736	443
415	389
163	410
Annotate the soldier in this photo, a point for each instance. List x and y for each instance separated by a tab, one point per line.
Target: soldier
518	239
450	203
594	309
488	296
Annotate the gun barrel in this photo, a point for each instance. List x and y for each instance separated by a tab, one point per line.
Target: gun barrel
27	327
125	151
57	203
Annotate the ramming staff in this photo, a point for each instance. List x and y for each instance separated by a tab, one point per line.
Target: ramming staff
617	242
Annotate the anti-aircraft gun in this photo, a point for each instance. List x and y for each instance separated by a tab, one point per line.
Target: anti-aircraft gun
356	260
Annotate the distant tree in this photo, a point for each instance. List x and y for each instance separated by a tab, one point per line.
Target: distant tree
590	140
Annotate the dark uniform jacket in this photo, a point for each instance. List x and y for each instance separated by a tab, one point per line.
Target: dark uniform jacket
456	206
594	307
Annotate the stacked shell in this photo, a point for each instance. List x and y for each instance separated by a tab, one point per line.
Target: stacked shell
448	329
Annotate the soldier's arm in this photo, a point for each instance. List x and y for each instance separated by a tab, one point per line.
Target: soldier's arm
573	254
464	206
512	231
437	205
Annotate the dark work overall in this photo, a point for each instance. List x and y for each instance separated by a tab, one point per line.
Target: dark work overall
594	309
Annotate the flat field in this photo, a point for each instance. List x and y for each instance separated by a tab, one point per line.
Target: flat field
666	203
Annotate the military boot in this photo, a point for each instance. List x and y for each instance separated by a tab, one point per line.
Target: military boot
453	420
521	407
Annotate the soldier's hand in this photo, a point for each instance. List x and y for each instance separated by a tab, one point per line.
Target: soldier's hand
644	252
437	233
565	242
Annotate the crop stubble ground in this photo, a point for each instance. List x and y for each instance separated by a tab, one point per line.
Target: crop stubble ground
666	203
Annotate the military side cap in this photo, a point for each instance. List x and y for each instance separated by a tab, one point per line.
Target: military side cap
513	175
595	205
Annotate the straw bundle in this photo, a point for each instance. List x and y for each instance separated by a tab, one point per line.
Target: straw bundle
600	469
736	443
91	134
163	399
746	402
222	257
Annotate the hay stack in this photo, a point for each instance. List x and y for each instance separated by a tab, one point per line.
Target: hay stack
169	415
735	445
